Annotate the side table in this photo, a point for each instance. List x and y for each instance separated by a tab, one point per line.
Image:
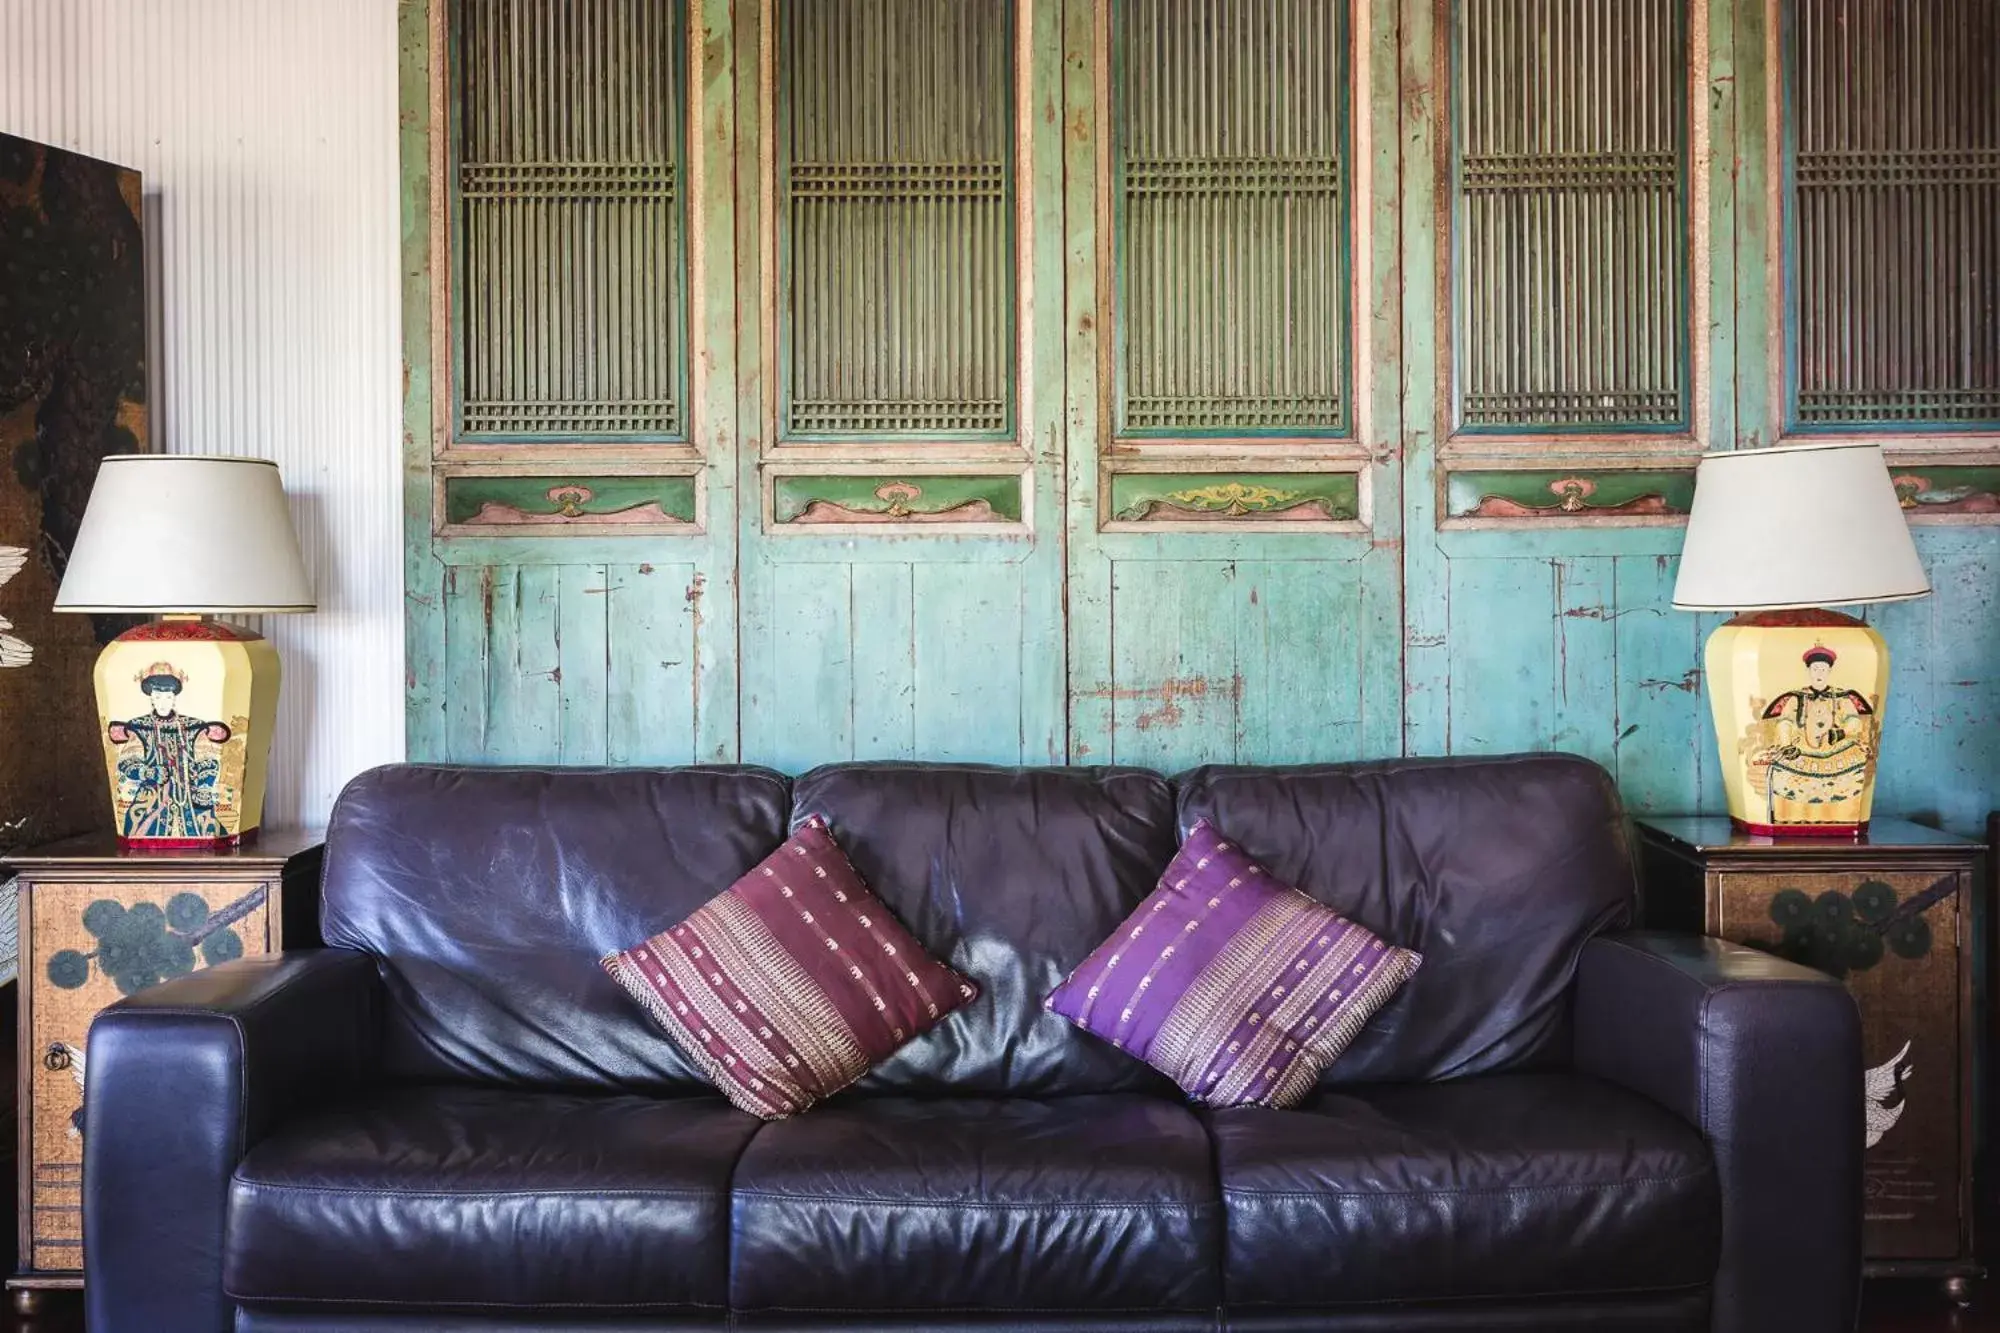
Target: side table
96	924
1893	917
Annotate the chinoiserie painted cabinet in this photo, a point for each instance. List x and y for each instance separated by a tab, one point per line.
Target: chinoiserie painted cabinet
1174	381
98	923
1898	917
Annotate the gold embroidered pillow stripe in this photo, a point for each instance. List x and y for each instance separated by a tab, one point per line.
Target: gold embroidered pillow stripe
1235	985
793	982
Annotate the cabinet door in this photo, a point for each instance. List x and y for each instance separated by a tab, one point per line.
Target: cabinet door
88	945
1893	937
569	343
1232	329
1561	190
900	521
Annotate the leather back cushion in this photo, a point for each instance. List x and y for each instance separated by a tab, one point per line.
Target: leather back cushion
490	894
1012	877
1495	870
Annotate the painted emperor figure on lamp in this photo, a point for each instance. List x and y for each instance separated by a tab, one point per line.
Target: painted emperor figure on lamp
1798	757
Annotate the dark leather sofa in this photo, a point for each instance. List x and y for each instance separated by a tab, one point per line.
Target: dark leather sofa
451	1119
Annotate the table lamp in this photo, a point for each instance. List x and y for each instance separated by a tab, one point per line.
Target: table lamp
1798	691
187	703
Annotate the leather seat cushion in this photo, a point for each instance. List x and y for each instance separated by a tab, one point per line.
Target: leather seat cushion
482	1198
1519	1185
1094	1204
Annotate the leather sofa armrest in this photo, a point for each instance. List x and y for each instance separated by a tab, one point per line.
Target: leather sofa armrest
181	1079
1764	1058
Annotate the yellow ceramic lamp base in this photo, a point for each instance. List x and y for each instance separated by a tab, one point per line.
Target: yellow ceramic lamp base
1798	699
188	707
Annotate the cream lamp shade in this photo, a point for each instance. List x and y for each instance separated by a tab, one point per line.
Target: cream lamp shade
186	533
1799	526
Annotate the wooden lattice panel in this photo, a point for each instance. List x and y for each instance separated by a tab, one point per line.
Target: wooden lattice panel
1570	243
569	292
1895	212
1230	169
895	175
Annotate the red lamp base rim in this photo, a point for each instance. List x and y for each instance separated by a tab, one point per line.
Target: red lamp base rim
221	843
1850	832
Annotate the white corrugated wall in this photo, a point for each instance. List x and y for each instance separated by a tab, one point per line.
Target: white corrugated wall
266	130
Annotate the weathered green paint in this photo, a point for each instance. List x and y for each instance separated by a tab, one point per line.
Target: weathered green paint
1140	497
1123	603
1926	490
584	648
582	501
897	497
1568	495
895	219
1891	159
1230	211
915	638
1176	636
1569	145
567	164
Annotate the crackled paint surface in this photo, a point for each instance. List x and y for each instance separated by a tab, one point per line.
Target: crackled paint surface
1053	511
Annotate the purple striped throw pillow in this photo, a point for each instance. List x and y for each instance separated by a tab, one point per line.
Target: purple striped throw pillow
791	983
1231	982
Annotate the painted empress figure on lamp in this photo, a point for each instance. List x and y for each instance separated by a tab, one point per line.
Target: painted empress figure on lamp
168	765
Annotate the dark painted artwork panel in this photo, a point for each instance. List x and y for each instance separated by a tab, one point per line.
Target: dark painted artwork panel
72	389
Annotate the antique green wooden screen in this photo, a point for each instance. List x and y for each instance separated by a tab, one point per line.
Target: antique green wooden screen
1174	381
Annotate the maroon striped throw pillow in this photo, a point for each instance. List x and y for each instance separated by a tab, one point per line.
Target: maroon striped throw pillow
1231	982
791	983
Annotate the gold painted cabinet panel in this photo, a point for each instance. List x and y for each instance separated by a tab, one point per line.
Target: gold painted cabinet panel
97	925
1893	939
93	944
1892	918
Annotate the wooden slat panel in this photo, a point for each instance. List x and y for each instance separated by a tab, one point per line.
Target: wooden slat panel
649	676
967	662
895	146
1584	712
1502	651
808	716
568	194
885	702
1299	653
1174	686
1230	171
1894	215
1665	740
583	650
1570	184
523	689
467	615
1939	747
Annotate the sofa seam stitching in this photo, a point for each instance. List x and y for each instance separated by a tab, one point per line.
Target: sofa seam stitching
1690	1178
1123	1205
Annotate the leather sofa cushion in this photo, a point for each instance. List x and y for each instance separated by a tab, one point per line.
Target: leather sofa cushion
883	1205
793	981
488	1199
1012	876
1519	1185
490	894
1495	870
